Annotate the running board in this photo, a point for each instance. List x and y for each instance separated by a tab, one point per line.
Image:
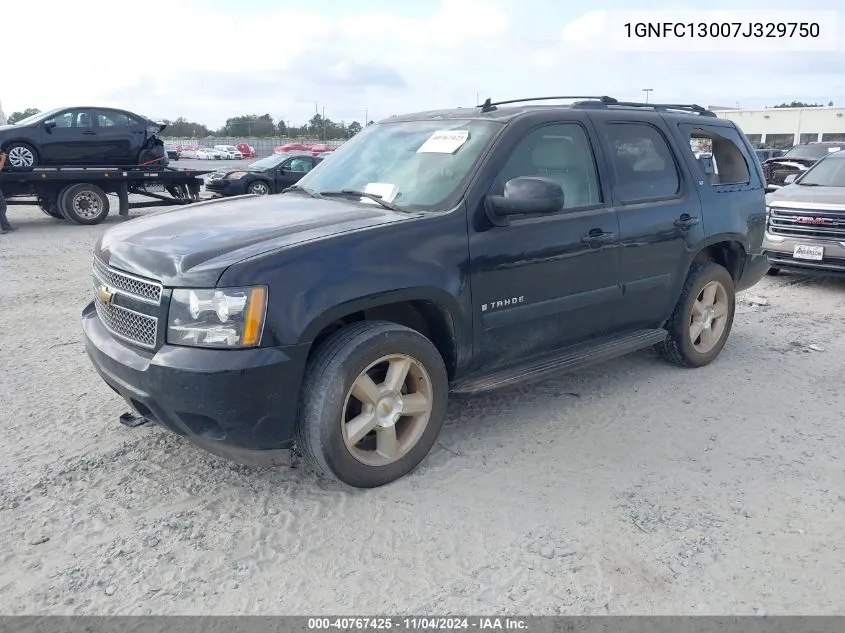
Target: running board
563	361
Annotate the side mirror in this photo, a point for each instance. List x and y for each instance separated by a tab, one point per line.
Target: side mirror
50	124
790	179
527	195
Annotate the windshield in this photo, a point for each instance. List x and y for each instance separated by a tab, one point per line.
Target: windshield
39	117
269	162
810	151
419	164
828	172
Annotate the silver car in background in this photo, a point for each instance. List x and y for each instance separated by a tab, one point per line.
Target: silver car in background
805	220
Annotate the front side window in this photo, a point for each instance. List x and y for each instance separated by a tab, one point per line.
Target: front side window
299	165
561	152
72	119
642	162
418	165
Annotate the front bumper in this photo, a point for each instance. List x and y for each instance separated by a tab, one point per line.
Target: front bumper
779	251
226	187
238	404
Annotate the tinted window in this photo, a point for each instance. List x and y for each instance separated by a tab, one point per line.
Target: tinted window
73	118
642	162
561	152
111	118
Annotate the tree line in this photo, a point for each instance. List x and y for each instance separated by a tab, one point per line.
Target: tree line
247	125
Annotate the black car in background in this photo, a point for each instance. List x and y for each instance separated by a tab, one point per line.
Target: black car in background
266	176
765	153
796	161
83	136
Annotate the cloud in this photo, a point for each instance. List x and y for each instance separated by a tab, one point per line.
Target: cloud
211	61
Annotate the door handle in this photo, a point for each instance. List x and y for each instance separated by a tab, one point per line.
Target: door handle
686	221
89	133
597	236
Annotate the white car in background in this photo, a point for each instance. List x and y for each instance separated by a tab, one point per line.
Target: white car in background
188	152
207	153
230	152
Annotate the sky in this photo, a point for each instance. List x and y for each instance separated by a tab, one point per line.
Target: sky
208	60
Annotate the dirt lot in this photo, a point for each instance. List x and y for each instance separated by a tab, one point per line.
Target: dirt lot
635	487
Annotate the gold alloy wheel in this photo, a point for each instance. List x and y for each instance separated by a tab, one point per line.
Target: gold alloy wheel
387	410
709	317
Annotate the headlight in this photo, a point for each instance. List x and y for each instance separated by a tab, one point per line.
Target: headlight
229	318
236	174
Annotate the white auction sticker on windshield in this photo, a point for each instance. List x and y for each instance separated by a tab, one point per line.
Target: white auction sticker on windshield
386	190
444	142
833	149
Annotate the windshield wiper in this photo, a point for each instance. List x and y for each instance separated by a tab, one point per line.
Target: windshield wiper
310	192
351	193
807	184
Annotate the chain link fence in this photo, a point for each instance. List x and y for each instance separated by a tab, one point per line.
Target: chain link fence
262	146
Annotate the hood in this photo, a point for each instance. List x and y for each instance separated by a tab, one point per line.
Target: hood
822	198
796	162
224	171
193	245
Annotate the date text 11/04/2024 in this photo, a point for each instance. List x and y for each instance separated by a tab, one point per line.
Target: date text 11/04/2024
722	30
417	624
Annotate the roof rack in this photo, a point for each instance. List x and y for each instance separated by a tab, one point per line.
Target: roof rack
488	106
657	107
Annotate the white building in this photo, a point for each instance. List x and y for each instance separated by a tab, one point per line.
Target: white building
2	116
784	127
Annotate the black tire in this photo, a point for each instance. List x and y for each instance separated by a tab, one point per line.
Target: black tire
678	348
774	272
258	188
84	203
12	149
329	376
49	206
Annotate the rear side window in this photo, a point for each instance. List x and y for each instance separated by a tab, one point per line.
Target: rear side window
643	164
111	118
726	164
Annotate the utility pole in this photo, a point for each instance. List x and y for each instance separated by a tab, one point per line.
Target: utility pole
323	123
366	116
646	91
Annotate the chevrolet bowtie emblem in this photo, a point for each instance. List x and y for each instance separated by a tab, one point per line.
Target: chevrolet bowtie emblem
104	295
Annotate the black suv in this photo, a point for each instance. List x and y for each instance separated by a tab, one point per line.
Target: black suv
451	251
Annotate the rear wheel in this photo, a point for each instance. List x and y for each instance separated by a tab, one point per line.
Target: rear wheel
84	204
702	319
373	402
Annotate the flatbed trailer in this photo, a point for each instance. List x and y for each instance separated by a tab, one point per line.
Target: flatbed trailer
80	194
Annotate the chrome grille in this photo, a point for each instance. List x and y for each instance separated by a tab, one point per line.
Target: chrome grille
129	325
808	223
146	290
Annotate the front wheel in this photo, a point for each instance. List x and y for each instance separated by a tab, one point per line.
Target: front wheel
373	402
258	189
21	155
703	317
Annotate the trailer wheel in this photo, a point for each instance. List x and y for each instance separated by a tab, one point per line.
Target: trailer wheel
84	204
49	206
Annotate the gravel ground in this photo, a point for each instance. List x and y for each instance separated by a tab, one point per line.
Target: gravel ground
633	487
